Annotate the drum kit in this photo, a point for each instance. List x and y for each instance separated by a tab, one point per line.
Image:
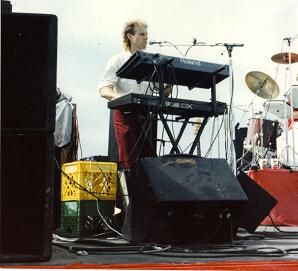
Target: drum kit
265	127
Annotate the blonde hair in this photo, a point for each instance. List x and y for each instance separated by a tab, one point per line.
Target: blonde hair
129	28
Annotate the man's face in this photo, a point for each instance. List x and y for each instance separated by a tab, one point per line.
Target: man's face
138	41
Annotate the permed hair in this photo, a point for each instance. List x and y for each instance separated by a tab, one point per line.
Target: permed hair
130	27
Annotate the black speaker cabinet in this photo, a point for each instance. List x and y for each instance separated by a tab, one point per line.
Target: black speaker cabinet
260	203
28	72
27	168
183	199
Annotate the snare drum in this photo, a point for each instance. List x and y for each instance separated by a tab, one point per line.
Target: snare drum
269	130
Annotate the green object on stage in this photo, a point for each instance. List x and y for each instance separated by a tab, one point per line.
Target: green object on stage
82	219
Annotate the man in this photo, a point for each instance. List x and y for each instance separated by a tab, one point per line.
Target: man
133	130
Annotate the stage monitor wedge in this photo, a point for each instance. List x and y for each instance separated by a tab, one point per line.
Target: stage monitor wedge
260	203
183	199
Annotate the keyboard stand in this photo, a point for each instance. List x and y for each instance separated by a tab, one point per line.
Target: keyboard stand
161	69
213	88
152	67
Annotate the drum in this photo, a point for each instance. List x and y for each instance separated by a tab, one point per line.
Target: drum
278	108
270	132
294	92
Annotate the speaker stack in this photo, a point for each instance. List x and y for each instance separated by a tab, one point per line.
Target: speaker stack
28	98
186	199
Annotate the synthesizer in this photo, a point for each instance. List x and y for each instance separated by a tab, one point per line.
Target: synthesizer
142	66
172	106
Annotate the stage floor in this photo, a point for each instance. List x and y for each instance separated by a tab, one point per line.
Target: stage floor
266	249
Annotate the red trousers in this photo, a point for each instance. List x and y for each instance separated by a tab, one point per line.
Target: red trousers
135	137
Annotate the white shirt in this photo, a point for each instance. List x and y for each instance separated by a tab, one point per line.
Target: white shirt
121	85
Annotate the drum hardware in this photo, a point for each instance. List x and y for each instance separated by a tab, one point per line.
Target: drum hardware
263	132
288	58
281	156
261	137
262	85
253	155
279	108
292	96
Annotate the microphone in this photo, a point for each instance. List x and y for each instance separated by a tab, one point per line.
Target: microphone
234	44
290	39
156	42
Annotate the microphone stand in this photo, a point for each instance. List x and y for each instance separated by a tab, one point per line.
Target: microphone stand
229	48
232	159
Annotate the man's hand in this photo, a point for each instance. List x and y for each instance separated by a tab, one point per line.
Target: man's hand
109	93
168	89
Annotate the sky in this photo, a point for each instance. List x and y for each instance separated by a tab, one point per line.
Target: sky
89	33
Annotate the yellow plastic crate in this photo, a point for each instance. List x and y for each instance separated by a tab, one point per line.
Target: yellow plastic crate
100	178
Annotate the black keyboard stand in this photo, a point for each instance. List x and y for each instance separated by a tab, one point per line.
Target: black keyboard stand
142	66
213	88
197	138
161	69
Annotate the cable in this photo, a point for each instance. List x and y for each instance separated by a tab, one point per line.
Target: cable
224	250
278	229
215	253
174	47
82	250
105	222
146	127
171	251
226	125
230	117
156	249
211	145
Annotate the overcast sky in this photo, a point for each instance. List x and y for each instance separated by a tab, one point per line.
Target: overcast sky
89	32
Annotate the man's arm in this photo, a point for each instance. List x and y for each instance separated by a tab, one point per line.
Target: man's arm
109	93
168	90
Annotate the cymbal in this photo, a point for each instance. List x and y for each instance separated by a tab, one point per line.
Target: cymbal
262	85
284	58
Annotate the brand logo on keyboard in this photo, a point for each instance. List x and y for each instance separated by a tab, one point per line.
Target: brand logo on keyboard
178	105
190	61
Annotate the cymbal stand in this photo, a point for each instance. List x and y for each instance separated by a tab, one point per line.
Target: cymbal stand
292	110
254	154
286	128
261	135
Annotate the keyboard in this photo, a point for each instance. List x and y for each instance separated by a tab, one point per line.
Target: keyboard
173	106
141	66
